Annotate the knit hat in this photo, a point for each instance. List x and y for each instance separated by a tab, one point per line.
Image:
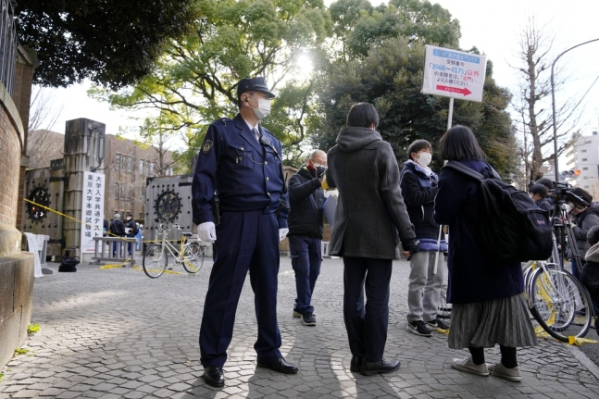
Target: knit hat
593	235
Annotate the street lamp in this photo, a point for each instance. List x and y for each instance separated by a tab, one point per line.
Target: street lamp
553	105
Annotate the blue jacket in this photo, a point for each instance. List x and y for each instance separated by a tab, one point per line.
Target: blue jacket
246	174
472	278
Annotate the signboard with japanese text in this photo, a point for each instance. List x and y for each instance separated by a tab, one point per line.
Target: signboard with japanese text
92	210
453	73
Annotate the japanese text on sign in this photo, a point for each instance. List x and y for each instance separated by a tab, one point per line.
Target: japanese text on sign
92	210
452	73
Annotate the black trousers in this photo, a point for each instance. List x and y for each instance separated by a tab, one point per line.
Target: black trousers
366	323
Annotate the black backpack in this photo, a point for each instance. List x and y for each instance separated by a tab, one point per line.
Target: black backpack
512	228
68	264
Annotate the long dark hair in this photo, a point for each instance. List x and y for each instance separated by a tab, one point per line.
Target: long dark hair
459	143
362	115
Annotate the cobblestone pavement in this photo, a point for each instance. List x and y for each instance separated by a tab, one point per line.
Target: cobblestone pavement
118	334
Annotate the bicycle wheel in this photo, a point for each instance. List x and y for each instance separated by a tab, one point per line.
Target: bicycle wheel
155	261
193	257
560	304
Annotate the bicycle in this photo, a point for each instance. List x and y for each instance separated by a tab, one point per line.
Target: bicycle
190	254
557	300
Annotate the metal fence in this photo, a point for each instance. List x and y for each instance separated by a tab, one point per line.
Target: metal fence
8	44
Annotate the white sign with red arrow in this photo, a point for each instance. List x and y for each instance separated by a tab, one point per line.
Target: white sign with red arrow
453	73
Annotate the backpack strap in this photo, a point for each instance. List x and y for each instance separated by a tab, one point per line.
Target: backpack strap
471	172
455	165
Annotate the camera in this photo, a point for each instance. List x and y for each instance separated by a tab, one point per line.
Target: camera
563	192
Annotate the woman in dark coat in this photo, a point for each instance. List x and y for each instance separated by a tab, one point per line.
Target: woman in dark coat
488	303
370	220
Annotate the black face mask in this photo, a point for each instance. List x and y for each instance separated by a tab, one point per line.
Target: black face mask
320	170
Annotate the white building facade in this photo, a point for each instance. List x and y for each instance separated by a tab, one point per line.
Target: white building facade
584	156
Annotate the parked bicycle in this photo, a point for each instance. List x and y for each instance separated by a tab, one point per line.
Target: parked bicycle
190	254
557	300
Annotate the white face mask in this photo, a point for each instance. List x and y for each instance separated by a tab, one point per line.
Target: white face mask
569	207
424	158
263	109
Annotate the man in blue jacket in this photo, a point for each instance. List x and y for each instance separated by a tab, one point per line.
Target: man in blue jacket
240	161
305	231
419	186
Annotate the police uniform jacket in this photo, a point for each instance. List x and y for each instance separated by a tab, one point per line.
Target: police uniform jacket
246	174
371	216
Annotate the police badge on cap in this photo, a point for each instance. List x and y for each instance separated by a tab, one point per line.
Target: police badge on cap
253	84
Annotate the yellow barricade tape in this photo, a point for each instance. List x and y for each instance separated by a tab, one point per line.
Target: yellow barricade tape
87	224
115	266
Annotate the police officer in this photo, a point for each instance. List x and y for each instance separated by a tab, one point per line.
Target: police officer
240	162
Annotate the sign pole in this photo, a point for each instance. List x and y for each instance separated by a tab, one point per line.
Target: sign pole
450	118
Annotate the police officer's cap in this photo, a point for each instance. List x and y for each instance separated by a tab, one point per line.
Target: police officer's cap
253	84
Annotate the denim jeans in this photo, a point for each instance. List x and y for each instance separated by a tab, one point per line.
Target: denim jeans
305	259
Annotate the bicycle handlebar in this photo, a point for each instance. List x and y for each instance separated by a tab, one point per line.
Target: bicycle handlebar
175	226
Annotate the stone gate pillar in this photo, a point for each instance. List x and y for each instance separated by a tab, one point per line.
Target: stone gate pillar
83	152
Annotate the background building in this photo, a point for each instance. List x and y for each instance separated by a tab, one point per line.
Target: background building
127	165
583	155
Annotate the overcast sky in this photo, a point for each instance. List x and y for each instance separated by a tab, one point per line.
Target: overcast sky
494	27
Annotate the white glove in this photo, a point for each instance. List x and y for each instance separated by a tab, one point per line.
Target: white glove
207	231
283	234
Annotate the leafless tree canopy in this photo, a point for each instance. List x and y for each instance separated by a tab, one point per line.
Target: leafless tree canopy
535	55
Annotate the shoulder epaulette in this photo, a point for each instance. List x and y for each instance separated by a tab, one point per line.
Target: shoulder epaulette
223	121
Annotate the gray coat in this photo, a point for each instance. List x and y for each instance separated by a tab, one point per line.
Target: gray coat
370	211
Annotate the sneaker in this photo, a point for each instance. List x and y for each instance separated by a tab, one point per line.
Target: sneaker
308	319
468	366
499	370
418	328
296	313
437	324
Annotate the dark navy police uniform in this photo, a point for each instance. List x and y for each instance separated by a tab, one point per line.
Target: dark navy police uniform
248	178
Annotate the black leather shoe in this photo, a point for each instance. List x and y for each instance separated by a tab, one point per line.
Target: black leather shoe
356	364
213	375
279	365
384	366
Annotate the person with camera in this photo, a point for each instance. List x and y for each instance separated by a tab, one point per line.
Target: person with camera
538	193
241	161
370	220
306	200
419	187
584	216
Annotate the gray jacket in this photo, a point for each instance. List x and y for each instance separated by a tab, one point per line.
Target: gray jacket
371	215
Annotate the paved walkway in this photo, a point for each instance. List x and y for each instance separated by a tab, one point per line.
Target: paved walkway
117	334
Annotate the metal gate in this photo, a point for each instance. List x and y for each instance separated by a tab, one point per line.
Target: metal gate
45	187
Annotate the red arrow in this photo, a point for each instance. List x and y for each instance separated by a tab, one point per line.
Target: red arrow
463	91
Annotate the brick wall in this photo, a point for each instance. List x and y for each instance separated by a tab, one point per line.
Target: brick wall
10	165
22	98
